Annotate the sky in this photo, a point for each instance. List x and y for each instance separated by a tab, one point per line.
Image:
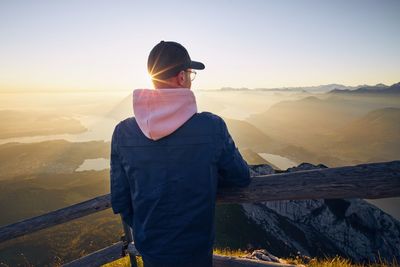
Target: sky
103	45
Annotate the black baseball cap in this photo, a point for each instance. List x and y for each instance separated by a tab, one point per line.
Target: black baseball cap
167	59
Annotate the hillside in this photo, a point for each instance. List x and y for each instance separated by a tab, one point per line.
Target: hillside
16	123
248	136
334	130
373	137
39	178
18	160
381	124
41	193
307	123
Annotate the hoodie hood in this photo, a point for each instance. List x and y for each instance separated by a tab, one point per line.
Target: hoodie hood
159	112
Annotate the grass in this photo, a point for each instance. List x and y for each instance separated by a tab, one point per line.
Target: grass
125	262
339	262
314	262
230	252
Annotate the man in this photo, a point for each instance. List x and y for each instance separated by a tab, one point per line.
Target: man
167	163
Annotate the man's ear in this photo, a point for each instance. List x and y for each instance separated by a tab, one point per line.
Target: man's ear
181	78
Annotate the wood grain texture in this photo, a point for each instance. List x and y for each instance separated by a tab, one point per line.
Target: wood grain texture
100	257
371	181
55	217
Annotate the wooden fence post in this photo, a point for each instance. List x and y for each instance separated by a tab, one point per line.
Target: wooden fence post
128	240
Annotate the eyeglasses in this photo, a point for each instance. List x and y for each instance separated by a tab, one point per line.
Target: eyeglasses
192	74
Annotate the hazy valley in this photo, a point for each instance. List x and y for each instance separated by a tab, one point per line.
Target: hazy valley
46	139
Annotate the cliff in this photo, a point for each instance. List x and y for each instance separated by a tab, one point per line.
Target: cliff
352	228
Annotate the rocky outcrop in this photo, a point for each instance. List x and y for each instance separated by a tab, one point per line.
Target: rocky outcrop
264	255
352	228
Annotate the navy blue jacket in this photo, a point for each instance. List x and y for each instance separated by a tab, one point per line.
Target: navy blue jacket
166	189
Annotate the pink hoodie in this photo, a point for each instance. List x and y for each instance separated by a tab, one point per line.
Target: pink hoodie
159	112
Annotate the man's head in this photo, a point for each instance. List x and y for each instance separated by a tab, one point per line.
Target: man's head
170	66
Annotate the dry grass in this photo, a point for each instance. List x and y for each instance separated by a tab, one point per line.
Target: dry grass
229	252
327	262
124	262
339	262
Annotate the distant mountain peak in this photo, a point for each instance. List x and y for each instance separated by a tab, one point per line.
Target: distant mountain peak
381	85
379	88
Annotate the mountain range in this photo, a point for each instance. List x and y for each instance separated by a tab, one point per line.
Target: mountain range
313	89
348	130
377	89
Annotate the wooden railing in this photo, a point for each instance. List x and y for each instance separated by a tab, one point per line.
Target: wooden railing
370	181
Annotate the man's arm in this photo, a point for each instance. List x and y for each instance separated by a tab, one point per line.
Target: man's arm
232	168
120	190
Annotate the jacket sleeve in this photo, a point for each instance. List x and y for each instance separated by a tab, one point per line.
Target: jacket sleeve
232	168
120	190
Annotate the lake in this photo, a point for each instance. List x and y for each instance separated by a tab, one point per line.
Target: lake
98	164
279	161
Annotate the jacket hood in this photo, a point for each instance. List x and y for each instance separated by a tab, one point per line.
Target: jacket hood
159	112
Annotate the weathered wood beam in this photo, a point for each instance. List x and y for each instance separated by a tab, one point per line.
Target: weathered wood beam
374	180
55	217
370	181
99	257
